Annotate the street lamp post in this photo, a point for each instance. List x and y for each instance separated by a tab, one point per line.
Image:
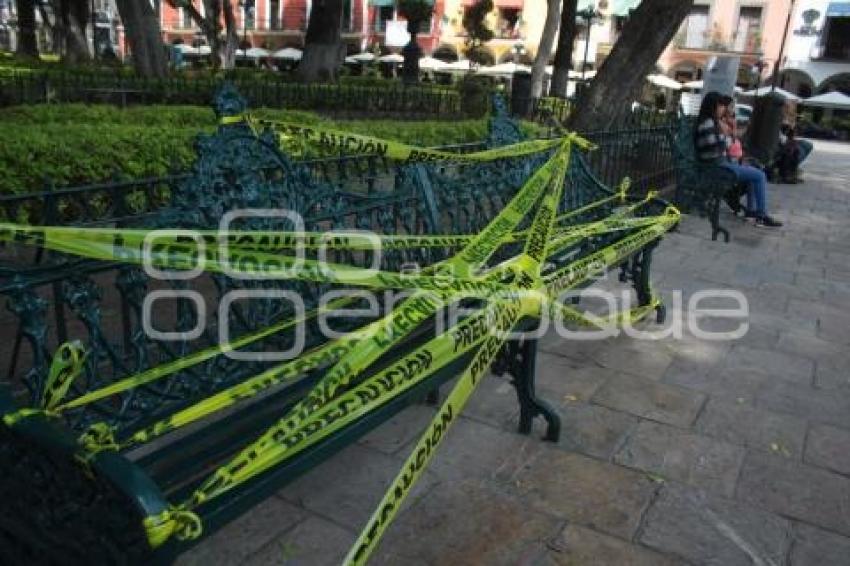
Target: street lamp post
247	7
588	15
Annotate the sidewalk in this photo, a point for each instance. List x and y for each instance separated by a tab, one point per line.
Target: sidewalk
672	451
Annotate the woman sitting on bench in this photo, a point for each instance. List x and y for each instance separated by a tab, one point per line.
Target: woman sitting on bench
712	146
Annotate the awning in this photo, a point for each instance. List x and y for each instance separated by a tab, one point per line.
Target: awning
838	10
516	4
829	100
381	3
623	7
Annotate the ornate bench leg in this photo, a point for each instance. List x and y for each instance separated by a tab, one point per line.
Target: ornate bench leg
714	217
522	365
641	280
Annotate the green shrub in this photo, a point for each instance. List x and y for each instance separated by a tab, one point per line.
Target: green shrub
473	95
74	144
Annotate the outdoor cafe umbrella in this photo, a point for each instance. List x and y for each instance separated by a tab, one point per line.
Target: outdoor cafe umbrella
431	64
781	92
364	57
664	82
186	49
503	69
833	99
698	85
391	58
288	53
257	53
457	67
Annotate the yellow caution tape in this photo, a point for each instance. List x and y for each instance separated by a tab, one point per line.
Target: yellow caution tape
516	288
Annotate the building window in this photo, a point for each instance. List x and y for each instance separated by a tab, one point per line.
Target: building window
509	19
185	18
346	15
748	34
836	40
384	14
274	14
696	28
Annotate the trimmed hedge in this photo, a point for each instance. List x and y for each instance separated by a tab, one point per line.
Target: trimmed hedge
76	144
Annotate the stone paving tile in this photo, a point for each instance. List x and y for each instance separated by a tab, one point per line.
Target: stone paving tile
641	358
673	453
709	530
494	402
796	490
812	347
829	447
753	428
475	450
559	378
816	547
239	539
595	494
360	477
577	545
469	522
828	376
593	429
645	398
314	542
789	367
733	386
400	430
825	406
833	327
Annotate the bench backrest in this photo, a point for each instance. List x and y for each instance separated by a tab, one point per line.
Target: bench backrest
237	169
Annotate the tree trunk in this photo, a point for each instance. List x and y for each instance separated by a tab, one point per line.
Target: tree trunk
649	30
75	20
52	27
323	50
27	42
143	34
231	38
544	49
564	51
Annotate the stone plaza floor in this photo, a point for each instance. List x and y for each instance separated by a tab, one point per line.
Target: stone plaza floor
673	451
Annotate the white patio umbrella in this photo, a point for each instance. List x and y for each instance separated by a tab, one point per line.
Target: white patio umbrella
364	57
186	49
457	67
664	82
833	99
431	64
781	92
257	53
288	53
503	69
698	85
391	58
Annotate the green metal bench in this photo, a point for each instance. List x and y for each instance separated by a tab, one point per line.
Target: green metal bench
97	483
699	186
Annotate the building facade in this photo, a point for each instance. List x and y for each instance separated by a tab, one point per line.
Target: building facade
275	24
518	25
818	52
749	29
